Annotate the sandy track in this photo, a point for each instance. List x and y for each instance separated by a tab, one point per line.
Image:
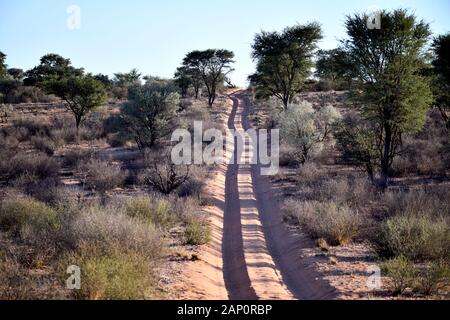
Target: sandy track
252	254
284	246
249	271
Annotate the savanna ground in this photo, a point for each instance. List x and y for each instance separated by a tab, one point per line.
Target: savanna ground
88	203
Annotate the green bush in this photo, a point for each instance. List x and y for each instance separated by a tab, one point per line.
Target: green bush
28	218
116	275
434	277
105	227
402	273
418	238
197	232
156	211
337	224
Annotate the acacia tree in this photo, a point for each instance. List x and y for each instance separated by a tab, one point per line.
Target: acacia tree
393	96
334	66
284	61
213	65
51	66
441	83
183	80
82	94
149	110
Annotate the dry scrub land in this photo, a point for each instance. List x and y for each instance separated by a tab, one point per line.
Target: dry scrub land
358	229
93	204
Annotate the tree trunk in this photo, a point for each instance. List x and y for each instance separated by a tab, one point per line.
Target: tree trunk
196	89
385	160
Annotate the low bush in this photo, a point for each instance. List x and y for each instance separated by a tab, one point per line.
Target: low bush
75	157
337	224
39	165
418	238
402	273
44	144
434	278
107	227
153	210
116	275
197	232
102	176
30	220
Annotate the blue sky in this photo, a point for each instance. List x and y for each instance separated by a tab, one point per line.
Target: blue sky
153	36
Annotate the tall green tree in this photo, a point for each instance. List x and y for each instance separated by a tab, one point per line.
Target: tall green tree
284	61
51	66
82	94
441	83
394	96
213	65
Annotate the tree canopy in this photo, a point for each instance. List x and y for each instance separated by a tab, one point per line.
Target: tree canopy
393	95
82	94
51	66
213	65
441	83
284	60
149	110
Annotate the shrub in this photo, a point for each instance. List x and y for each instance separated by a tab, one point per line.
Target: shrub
418	238
75	157
197	232
307	130
103	176
433	278
38	165
49	191
44	144
116	275
156	211
107	227
195	183
337	224
402	273
29	219
163	175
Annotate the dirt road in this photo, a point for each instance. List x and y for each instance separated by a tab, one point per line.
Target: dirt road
261	258
252	254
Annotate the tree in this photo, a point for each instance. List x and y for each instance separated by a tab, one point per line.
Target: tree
51	66
441	81
213	65
149	111
127	79
3	66
103	78
393	96
16	73
183	80
82	94
334	66
306	129
284	61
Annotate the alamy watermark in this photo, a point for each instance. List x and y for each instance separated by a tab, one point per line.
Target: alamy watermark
374	18
73	282
73	21
250	146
